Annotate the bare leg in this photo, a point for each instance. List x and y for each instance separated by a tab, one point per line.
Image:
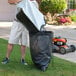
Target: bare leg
9	50
23	48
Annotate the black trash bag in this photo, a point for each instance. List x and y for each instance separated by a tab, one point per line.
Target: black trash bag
41	48
26	21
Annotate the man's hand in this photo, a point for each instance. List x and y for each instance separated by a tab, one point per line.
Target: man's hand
14	1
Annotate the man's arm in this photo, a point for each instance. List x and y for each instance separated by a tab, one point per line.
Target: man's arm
14	1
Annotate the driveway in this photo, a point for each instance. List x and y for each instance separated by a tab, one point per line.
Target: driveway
68	32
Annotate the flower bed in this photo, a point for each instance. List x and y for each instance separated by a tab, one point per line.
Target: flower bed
64	19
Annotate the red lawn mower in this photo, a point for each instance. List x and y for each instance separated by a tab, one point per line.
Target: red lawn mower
60	46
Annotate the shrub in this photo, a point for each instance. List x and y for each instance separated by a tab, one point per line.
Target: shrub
53	6
73	17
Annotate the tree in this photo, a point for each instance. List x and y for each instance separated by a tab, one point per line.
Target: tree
53	6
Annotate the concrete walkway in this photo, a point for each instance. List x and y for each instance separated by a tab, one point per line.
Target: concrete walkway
5	28
68	32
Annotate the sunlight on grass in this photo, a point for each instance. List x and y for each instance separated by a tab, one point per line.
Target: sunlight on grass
57	67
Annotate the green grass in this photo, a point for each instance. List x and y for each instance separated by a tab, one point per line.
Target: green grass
57	67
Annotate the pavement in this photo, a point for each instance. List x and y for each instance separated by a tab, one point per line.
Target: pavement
5	28
68	32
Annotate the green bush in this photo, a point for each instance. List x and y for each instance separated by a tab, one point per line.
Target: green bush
53	6
73	17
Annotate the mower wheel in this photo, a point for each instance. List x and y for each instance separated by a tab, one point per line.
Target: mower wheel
62	50
73	48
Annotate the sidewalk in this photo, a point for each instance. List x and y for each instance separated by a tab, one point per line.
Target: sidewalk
5	29
68	32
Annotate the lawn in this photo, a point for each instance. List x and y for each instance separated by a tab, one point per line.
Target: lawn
57	67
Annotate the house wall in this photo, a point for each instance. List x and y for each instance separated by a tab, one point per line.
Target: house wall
7	11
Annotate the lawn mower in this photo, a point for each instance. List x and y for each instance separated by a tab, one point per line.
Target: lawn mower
60	45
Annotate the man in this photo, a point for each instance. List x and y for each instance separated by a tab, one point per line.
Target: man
18	35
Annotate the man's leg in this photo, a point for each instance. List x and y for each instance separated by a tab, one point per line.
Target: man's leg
23	48
9	50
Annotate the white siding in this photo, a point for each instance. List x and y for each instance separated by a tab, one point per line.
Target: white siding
7	11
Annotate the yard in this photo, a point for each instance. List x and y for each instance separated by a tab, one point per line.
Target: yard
57	67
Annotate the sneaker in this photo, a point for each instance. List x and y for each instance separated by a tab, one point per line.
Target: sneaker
5	61
23	62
